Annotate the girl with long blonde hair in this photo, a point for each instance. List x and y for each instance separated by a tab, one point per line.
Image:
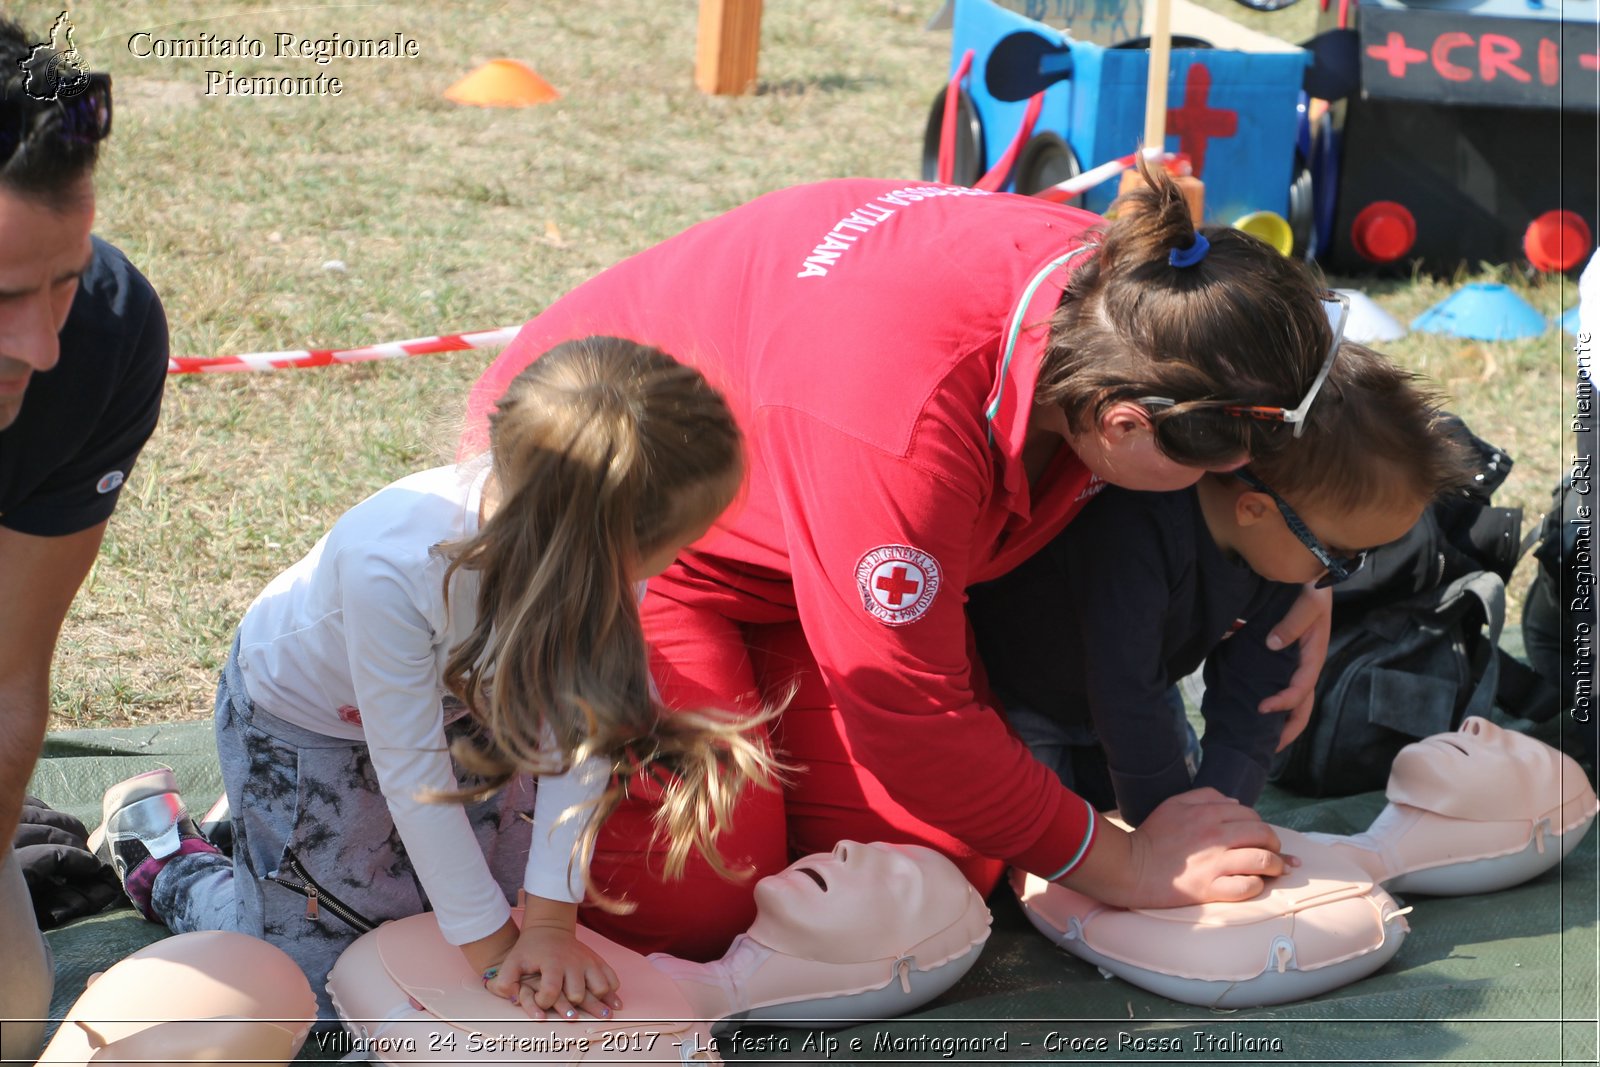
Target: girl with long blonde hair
486	611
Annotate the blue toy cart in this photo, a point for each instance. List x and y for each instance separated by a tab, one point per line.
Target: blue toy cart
1234	114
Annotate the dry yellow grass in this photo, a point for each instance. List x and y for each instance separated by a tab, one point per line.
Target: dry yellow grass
448	219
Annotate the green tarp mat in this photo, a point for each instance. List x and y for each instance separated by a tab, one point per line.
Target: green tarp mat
1508	977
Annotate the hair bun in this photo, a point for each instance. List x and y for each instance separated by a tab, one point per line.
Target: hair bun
1188	257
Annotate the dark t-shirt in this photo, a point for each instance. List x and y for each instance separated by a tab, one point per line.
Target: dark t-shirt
83	422
1128	599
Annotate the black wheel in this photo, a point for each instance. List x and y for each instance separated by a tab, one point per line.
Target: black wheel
1302	207
1046	160
969	159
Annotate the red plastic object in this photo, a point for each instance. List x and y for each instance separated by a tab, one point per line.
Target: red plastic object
1383	231
1002	168
1557	241
947	136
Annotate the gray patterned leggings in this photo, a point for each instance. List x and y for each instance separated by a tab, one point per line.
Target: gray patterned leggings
307	807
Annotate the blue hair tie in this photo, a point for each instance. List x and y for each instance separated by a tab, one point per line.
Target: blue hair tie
1188	257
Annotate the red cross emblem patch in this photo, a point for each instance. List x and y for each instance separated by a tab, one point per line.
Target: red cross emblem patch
897	583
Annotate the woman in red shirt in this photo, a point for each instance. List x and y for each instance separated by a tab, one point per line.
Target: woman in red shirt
932	381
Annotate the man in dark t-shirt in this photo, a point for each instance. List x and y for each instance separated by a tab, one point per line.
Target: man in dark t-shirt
70	447
83	352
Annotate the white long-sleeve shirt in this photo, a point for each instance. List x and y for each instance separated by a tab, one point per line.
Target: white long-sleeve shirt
352	642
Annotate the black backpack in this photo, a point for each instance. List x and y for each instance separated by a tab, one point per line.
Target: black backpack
1397	672
1560	621
1415	643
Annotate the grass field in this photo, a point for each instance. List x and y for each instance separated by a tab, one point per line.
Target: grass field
451	219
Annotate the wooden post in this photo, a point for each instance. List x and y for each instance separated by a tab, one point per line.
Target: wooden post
1155	112
730	40
1155	97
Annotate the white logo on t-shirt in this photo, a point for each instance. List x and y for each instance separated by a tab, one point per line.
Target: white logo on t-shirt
897	583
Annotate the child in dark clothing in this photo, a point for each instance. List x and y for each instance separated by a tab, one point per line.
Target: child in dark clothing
1153	584
1148	595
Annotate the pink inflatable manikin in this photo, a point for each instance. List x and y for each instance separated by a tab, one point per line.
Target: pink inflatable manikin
866	932
1472	811
248	1004
871	932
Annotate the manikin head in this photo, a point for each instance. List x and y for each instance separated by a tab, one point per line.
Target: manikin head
860	903
213	997
1446	773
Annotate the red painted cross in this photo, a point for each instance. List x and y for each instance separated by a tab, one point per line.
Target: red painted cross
1197	121
1395	53
896	588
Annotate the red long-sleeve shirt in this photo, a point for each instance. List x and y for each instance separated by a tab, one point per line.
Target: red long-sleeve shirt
879	344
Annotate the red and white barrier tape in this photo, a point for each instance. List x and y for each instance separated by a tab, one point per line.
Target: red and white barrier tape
1061	192
322	357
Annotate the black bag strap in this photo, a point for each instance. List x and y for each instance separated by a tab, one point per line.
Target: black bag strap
1531	538
1490	591
1523	691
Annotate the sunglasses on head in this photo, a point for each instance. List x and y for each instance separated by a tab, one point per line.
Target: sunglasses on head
1195	431
84	108
1202	434
1340	568
1337	307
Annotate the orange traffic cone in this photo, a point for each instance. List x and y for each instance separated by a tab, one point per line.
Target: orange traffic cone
502	83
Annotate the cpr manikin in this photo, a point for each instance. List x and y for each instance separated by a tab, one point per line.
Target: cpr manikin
875	931
866	932
1472	811
214	997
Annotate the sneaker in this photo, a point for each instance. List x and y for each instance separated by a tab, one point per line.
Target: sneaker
145	825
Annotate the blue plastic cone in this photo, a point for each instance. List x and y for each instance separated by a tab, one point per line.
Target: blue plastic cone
1369	323
1569	321
1484	312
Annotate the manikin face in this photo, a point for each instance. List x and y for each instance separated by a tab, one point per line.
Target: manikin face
858	903
44	248
1446	773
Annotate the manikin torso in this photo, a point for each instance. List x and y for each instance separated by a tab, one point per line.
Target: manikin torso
867	931
875	931
1471	811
